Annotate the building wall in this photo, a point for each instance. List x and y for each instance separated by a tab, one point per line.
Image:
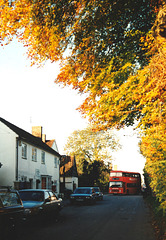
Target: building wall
7	155
35	170
30	172
70	182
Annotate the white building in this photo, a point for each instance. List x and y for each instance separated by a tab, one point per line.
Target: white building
27	161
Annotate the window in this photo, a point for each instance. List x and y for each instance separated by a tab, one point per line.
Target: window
132	185
9	199
53	197
24	150
47	196
43	157
115	184
116	174
37	196
34	154
125	174
55	162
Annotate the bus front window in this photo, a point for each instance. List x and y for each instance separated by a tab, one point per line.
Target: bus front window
115	185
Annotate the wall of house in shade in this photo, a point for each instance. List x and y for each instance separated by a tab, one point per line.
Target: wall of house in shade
7	155
37	167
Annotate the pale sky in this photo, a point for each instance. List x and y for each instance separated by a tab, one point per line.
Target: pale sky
29	97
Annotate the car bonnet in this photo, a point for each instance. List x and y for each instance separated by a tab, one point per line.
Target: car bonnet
32	204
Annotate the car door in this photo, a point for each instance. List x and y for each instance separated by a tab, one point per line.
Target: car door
47	202
54	202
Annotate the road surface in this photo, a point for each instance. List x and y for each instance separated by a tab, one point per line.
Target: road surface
115	218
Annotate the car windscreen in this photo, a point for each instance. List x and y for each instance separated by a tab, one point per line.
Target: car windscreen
32	196
9	199
83	191
96	189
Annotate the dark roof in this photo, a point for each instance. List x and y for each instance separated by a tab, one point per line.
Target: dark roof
29	138
70	166
50	142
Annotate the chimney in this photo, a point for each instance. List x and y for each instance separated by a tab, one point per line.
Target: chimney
37	131
44	138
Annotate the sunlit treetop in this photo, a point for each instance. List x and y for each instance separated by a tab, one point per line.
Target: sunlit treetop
99	44
95	31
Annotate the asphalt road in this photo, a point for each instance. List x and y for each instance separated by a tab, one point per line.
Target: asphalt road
116	218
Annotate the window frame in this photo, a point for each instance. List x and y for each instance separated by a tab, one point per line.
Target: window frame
34	154
56	162
24	150
43	157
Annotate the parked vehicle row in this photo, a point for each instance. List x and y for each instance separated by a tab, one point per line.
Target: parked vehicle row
18	207
86	195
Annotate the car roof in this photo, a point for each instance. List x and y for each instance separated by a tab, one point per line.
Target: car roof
7	189
34	190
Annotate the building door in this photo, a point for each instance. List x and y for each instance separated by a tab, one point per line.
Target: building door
43	182
37	184
31	183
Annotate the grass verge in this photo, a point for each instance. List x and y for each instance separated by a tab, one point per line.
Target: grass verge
158	217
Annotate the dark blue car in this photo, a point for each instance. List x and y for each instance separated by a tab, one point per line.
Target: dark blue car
83	195
40	202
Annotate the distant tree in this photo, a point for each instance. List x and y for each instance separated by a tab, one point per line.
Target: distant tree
95	174
89	146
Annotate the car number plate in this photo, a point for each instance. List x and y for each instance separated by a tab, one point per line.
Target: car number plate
79	200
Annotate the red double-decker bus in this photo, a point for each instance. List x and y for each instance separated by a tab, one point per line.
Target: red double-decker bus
122	182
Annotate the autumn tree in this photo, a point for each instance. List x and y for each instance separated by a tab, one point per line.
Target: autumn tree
93	154
153	85
89	145
99	44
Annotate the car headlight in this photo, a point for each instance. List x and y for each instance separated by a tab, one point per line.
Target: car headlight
27	211
88	197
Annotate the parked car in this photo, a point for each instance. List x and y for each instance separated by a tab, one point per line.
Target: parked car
98	193
83	195
40	202
11	212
